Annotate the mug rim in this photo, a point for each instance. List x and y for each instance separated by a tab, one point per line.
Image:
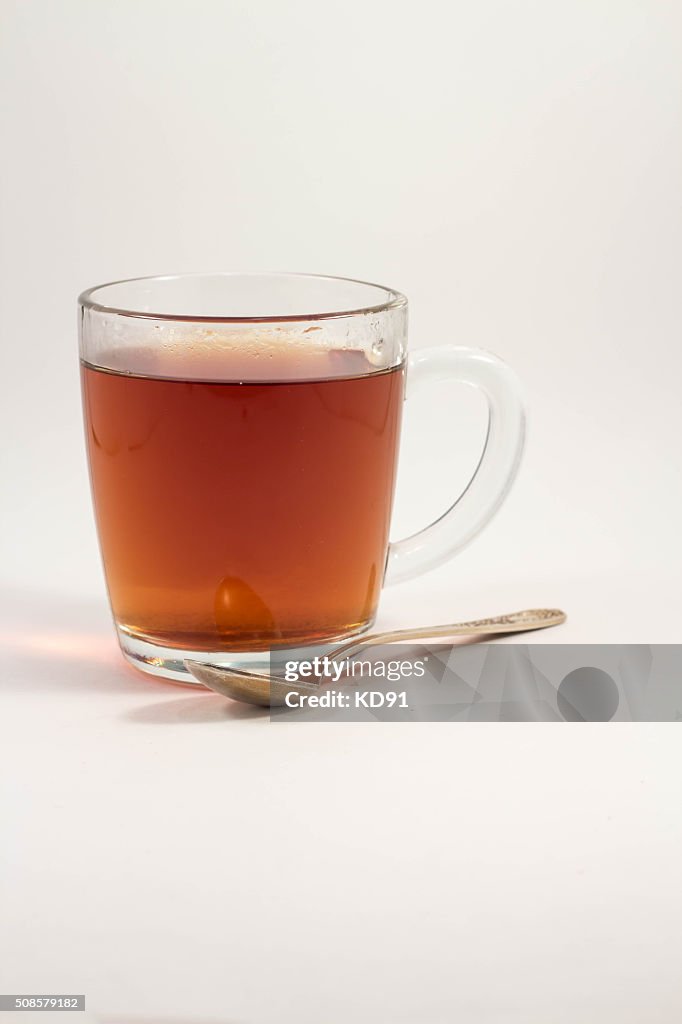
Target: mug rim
88	299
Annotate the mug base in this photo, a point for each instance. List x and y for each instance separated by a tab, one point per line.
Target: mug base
169	662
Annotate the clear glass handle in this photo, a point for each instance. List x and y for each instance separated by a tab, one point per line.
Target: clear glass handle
496	470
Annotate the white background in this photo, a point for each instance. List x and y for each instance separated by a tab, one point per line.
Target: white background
514	168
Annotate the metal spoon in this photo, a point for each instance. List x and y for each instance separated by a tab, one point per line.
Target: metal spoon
271	691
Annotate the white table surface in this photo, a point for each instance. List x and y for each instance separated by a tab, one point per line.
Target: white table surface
179	858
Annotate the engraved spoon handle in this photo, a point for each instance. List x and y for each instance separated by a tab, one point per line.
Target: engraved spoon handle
515	622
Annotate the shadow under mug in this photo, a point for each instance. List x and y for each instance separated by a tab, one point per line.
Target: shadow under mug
242	435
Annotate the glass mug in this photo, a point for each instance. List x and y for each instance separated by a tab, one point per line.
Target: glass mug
242	436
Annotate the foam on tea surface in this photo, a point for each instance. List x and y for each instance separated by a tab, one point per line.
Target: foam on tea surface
215	357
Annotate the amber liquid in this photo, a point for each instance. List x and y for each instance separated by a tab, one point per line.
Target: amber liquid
235	516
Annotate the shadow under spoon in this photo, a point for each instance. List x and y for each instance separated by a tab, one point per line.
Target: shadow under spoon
271	691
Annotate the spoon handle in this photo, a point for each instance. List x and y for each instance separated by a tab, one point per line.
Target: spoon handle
515	622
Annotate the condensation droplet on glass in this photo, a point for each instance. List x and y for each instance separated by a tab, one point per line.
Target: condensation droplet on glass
376	353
